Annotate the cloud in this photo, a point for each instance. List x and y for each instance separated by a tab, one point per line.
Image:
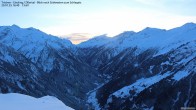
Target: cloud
76	38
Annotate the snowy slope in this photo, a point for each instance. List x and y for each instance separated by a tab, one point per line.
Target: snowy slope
98	51
36	45
134	64
30	35
157	77
31	41
44	62
164	40
14	101
95	41
152	69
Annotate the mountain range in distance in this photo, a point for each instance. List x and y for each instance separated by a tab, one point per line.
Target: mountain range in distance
153	69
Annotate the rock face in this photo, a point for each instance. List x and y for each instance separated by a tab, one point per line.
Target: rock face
150	69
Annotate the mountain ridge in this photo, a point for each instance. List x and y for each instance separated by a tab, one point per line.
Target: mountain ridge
99	73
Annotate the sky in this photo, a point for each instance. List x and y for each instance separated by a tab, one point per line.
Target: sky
79	22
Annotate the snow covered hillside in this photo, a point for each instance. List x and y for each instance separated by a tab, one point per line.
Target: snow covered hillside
151	69
14	101
35	63
145	39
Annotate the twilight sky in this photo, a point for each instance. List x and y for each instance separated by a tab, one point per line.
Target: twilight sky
95	17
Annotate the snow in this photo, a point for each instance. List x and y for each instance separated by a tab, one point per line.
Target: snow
93	100
92	97
15	101
5	55
19	85
157	38
150	70
95	41
152	108
24	39
8	58
180	75
177	97
189	93
139	85
185	60
163	40
31	43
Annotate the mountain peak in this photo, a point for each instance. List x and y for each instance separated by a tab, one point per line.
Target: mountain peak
184	28
15	26
100	37
150	29
189	25
126	32
95	41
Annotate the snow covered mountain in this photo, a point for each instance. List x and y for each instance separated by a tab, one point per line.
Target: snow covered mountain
24	102
150	69
96	41
39	64
149	38
32	43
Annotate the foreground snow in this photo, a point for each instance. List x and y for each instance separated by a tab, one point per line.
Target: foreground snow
14	101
